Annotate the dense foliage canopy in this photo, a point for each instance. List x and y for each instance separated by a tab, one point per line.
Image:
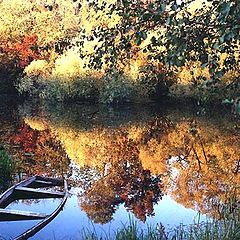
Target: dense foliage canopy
118	51
177	32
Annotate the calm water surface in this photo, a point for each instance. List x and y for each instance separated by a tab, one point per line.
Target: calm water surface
153	164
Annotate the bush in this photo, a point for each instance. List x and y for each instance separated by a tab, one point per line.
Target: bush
6	168
117	88
60	90
56	89
155	81
61	79
68	79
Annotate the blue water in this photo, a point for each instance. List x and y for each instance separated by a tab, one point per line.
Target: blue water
72	223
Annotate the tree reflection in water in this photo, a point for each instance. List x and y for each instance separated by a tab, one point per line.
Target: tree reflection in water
197	158
37	152
125	181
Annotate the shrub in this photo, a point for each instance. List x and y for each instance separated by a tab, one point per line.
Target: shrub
63	78
117	88
155	80
28	26
6	168
195	82
60	90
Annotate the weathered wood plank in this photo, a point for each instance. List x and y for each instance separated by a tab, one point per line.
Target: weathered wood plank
55	181
32	193
15	215
42	184
7	197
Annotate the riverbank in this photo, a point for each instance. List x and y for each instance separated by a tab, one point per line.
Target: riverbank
228	229
212	230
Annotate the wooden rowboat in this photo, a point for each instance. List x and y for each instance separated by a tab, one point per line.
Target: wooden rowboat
32	188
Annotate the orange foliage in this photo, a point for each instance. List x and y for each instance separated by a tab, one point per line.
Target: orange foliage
37	149
23	51
125	182
26	138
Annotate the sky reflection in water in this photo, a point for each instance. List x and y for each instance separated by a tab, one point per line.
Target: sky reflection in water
120	164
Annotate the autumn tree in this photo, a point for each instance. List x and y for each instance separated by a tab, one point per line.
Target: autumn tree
35	150
174	34
30	27
124	182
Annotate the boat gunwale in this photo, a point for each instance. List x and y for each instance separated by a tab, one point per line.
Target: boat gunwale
5	196
32	231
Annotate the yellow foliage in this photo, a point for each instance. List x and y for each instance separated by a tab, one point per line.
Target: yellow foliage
22	17
91	19
69	65
66	68
204	162
185	77
38	68
36	124
197	4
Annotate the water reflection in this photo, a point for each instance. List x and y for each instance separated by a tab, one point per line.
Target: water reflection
37	150
131	157
124	151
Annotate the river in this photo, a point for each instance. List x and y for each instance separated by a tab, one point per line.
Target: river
164	164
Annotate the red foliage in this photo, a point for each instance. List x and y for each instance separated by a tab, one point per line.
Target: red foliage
23	51
26	138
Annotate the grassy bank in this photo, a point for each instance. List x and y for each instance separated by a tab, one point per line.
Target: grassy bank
228	229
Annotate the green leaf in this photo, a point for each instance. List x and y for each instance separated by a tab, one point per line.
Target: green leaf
219	74
163	6
215	46
226	8
212	70
178	63
204	65
229	36
138	40
144	35
237	106
221	39
126	3
174	7
227	101
146	16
